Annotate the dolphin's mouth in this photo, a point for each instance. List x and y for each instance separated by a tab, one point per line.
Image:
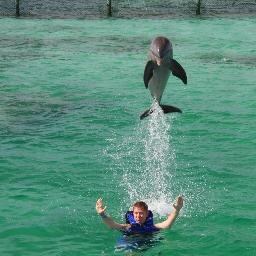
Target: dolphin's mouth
161	53
157	55
159	61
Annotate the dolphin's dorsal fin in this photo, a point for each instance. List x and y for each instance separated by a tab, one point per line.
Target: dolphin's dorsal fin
148	72
178	71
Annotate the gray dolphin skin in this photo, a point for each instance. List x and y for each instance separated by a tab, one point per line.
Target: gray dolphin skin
157	71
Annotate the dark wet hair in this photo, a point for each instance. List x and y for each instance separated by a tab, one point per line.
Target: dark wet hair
141	205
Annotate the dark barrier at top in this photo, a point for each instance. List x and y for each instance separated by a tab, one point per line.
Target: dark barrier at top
123	8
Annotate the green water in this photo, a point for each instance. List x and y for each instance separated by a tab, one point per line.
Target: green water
70	100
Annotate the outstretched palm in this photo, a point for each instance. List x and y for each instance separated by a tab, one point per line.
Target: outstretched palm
178	204
100	206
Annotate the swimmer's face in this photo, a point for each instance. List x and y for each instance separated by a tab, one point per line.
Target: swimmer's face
139	215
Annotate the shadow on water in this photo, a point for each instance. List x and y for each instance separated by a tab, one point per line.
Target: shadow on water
30	114
220	58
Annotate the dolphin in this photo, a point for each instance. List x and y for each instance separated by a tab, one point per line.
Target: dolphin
157	71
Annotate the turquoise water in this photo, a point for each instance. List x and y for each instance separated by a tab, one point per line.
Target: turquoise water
71	96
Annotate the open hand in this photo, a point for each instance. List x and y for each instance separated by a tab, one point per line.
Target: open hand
100	206
178	204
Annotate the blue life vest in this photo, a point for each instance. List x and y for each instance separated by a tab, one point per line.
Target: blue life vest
137	228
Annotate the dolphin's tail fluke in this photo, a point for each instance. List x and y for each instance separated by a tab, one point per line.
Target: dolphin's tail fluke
166	109
170	109
146	113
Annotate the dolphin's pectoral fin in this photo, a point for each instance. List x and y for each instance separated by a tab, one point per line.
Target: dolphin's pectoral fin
178	71
170	109
148	72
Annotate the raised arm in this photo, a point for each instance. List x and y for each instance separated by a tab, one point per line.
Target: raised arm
172	216
100	209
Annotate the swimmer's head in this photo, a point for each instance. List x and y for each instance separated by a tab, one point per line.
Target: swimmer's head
140	212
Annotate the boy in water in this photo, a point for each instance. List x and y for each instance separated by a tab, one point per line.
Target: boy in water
140	219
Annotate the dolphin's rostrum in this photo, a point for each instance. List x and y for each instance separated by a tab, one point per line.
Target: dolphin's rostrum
157	72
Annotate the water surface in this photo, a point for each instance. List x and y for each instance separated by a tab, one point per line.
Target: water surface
71	96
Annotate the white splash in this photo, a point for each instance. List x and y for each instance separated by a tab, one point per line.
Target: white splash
144	168
148	177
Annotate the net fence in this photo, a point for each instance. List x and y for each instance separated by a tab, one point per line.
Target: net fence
123	8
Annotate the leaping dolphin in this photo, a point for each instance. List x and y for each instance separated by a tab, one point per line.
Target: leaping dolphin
157	72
